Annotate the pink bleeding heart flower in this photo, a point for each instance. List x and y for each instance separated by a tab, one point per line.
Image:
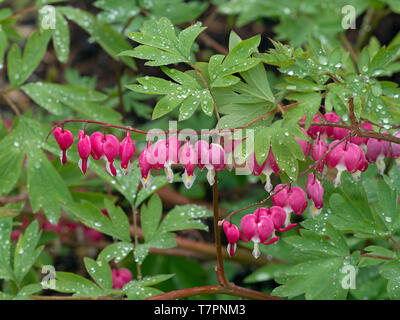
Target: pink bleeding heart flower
105	147
362	141
395	149
126	151
290	199
202	148
204	157
216	161
120	277
159	150
146	162
217	156
331	117
111	149
318	150
64	139
232	233
188	157
258	227
96	141
84	150
345	156
267	168
279	218
173	147
363	165
315	192
304	144
377	150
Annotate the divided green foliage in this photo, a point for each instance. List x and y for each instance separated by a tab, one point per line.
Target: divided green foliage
321	268
187	91
221	68
160	45
160	234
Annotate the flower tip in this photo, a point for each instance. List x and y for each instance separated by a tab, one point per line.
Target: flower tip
256	251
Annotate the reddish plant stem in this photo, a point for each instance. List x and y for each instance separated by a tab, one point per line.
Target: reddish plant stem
375	256
220	268
395	242
232	290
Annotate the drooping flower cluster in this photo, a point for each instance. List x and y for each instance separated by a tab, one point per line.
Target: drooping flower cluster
354	154
165	153
99	146
261	225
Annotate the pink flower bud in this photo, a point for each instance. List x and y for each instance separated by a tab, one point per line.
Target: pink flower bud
126	151
258	228
145	164
120	277
318	150
232	234
84	150
188	157
315	191
64	139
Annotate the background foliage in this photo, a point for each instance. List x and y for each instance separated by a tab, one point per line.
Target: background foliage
113	61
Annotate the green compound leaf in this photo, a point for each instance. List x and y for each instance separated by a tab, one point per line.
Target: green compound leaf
187	91
324	264
160	45
221	68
